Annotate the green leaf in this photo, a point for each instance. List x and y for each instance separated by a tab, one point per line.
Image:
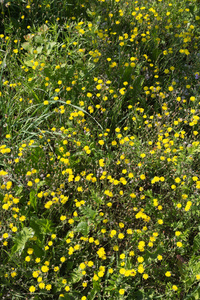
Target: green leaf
89	213
29	63
83	228
36	228
39	39
50	47
76	276
45	225
95	290
196	243
41	183
38	251
39	49
27	46
194	295
41	226
33	199
21	239
19	190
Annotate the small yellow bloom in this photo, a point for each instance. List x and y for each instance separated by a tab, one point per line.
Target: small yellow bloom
32	289
168	274
121	291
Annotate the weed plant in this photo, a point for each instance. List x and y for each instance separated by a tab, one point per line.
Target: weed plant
99	149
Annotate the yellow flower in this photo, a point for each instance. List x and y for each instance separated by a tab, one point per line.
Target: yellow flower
48	287
145	276
5	235
101	142
140	269
44	269
168	274
35	274
101	252
89	95
160	221
140	259
41	285
120	236
121	291
32	289
67	288
82	266
95	277
90	263
101	163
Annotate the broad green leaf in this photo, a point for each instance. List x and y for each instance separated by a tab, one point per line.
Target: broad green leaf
39	49
29	63
83	228
21	239
36	228
50	47
39	39
27	46
45	225
33	199
41	226
196	243
89	213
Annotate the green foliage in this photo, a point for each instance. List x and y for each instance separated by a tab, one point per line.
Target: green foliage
21	239
99	149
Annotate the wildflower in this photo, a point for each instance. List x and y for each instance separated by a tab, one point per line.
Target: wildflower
120	236
160	221
140	269
168	274
95	277
140	259
121	291
44	269
82	266
48	287
41	285
101	142
101	252
32	289
35	274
